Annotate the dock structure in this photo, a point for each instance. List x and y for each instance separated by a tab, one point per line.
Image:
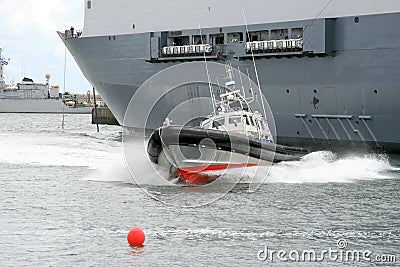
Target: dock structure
103	115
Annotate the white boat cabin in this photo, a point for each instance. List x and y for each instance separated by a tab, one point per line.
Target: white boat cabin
238	119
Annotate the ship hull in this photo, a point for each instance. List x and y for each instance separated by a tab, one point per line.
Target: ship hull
343	97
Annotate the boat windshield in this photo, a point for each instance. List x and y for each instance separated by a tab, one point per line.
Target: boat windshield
235	119
207	125
218	122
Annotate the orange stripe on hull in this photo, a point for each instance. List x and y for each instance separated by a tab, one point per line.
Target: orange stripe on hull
200	175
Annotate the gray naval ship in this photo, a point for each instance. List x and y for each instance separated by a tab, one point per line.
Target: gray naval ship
329	70
32	97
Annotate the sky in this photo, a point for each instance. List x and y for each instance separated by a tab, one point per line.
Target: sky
28	36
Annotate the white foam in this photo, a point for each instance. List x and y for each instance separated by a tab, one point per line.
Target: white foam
142	170
321	167
53	150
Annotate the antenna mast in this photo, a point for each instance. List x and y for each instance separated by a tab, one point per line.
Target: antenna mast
255	67
208	76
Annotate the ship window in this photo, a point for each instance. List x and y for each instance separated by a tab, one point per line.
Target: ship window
234	120
89	4
133	26
297	33
199	39
356	19
178	41
217	39
258	36
235	37
279	34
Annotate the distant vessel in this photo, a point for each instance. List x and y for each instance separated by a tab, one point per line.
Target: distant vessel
31	97
329	69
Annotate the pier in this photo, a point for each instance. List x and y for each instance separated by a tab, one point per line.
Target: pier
103	115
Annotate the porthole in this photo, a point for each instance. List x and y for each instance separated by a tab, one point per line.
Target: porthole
287	91
315	91
356	20
376	91
298	133
133	26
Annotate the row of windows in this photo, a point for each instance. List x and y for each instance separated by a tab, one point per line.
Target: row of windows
232	120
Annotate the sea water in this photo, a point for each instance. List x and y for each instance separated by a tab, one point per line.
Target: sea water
69	199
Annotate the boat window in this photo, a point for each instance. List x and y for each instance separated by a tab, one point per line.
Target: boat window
234	119
251	119
207	125
246	119
89	4
218	122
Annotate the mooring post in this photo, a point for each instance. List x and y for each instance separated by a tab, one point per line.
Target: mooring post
95	109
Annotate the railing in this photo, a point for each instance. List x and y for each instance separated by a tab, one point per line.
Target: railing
275	45
187	50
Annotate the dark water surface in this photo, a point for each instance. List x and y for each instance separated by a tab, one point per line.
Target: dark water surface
67	199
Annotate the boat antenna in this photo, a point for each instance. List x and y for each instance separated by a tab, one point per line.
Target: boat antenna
208	76
241	83
251	86
219	86
255	67
62	97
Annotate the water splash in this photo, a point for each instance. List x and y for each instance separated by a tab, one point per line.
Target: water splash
106	158
317	167
324	167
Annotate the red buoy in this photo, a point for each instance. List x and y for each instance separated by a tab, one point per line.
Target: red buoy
136	237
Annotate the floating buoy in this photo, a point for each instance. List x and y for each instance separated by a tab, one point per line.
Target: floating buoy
136	237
